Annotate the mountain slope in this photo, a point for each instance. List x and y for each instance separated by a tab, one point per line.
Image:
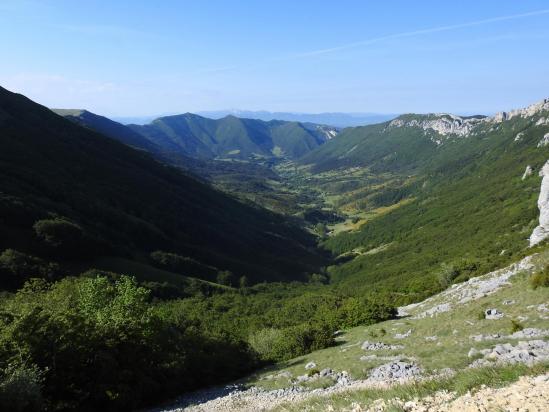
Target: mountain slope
443	343
467	206
232	137
126	203
108	127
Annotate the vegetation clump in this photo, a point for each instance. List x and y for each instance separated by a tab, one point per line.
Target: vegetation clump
540	279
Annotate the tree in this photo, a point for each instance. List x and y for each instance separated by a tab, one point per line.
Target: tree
243	282
58	231
321	230
225	277
17	267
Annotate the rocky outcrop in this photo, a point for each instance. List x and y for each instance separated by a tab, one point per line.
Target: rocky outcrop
396	370
544	141
529	111
527	172
443	124
541	232
528	353
379	346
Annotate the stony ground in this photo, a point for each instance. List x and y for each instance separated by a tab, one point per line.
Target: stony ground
529	394
491	320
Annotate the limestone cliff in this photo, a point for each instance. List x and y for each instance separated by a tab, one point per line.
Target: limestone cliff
541	232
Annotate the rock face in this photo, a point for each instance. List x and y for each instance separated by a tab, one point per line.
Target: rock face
527	172
542	230
526	112
544	141
444	124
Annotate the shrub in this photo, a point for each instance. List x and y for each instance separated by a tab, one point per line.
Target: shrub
21	388
301	339
58	231
355	311
225	277
313	372
283	344
16	268
540	279
516	326
446	275
265	341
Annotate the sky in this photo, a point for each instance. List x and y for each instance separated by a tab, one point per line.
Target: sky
138	58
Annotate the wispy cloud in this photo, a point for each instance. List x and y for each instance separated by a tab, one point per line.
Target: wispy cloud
375	40
420	32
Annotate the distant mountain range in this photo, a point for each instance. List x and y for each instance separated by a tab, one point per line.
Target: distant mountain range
332	119
234	138
335	119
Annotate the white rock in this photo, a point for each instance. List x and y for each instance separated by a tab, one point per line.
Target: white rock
492	314
527	172
542	230
310	365
544	141
403	335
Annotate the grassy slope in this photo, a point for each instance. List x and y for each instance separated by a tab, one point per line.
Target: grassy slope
453	330
133	203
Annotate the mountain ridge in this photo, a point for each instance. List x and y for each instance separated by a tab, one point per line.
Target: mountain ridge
234	137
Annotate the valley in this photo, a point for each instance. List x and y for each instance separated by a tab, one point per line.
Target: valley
238	250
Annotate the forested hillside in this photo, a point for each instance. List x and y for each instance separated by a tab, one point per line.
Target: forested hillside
232	137
459	199
70	193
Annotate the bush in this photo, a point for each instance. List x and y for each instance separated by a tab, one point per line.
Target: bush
16	268
355	311
21	388
225	277
283	344
106	347
516	326
265	341
447	275
540	279
58	232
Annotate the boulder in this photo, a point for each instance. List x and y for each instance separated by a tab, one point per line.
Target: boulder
310	365
492	314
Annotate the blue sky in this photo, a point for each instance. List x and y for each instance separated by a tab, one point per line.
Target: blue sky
123	58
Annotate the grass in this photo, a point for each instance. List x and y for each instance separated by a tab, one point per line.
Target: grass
453	330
